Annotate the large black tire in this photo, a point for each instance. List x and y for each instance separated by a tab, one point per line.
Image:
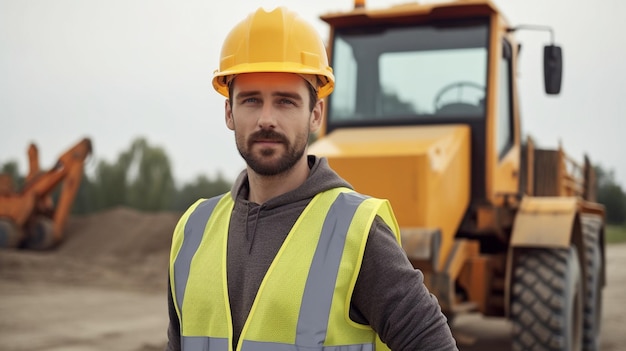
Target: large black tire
592	314
547	300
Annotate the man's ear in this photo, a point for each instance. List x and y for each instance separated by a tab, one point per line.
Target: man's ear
317	115
228	115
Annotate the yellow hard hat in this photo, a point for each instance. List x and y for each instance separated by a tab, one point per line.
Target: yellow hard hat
276	41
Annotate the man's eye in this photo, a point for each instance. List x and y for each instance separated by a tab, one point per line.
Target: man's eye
286	102
250	100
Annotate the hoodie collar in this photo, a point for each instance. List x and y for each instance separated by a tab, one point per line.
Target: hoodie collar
321	178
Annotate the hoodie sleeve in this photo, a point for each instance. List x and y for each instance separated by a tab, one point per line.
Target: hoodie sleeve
173	330
390	295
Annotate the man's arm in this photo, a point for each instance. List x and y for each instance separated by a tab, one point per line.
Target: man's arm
390	295
173	330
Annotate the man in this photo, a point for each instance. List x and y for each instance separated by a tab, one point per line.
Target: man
292	258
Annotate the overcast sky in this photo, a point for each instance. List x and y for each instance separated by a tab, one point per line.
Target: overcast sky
113	70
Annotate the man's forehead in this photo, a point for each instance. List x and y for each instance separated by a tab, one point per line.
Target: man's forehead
274	83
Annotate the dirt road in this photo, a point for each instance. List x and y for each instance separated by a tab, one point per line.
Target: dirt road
104	288
58	318
110	293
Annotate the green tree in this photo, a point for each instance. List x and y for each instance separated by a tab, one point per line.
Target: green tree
13	170
611	195
110	185
201	187
85	201
152	186
141	178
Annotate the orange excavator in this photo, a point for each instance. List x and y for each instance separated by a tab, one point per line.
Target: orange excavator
30	218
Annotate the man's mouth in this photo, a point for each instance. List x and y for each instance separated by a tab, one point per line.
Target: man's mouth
267	141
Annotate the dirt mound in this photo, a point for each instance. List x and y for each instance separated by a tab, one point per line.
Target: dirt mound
121	247
121	232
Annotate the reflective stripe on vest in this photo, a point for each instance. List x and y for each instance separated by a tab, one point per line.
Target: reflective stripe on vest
317	297
197	219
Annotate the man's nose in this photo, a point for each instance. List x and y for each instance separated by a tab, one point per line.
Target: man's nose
267	117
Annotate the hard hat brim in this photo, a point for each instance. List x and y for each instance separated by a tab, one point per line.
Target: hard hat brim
221	79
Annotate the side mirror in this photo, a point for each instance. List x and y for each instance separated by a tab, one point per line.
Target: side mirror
552	69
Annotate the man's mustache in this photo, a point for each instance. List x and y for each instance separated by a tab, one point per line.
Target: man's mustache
267	135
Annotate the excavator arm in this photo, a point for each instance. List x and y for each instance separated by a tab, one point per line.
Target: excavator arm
30	217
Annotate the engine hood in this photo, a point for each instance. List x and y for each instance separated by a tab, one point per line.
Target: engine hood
424	171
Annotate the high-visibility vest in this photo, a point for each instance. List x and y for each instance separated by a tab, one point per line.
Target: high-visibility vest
303	302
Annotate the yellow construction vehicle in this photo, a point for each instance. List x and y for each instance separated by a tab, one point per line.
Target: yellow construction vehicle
30	218
426	113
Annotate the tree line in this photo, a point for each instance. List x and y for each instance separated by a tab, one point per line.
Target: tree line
611	195
140	178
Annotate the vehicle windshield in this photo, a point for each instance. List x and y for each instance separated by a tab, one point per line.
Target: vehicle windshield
409	74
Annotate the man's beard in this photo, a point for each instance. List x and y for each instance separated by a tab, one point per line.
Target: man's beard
259	164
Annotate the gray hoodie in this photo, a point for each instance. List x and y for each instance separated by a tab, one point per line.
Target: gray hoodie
389	295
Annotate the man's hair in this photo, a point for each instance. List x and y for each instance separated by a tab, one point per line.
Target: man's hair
312	94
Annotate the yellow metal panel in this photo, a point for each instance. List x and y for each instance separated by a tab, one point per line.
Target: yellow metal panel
464	250
506	172
443	282
544	222
476	278
417	10
491	153
424	171
404	140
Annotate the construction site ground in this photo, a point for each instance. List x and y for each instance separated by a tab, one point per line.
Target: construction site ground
104	288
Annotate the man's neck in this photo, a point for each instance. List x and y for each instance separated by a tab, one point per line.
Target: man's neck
264	188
